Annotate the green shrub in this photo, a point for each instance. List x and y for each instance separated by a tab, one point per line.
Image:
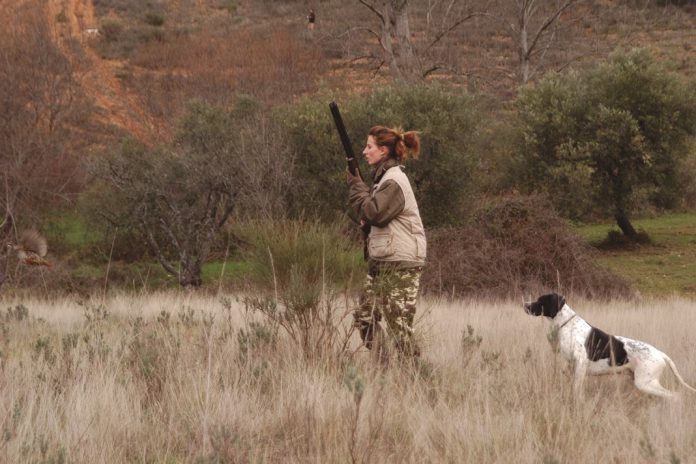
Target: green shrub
304	263
611	139
61	17
230	5
111	30
294	255
154	19
443	179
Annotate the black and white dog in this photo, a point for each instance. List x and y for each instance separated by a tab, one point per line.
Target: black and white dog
595	352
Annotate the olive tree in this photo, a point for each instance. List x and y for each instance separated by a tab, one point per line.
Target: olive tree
612	136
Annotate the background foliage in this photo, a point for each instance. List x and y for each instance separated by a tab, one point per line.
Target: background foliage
443	178
609	140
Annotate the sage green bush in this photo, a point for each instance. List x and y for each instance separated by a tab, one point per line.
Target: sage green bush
443	178
305	268
285	254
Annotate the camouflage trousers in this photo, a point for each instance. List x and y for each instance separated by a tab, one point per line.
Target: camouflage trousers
389	294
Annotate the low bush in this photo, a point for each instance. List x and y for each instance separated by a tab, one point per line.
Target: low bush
281	252
154	19
305	265
513	247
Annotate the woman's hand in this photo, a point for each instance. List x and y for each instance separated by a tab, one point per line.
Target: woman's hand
351	179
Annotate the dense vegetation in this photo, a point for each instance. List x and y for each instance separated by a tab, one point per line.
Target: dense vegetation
221	126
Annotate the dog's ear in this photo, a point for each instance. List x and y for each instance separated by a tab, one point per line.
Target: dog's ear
556	304
550	304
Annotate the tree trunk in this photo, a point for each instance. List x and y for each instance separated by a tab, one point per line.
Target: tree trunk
3	266
523	47
396	41
625	224
532	28
190	276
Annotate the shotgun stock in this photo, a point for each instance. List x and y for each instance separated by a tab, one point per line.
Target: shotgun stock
353	166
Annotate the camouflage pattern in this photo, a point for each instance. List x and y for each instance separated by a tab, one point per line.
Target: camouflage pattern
389	294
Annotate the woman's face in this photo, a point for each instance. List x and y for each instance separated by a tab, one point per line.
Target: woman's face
373	153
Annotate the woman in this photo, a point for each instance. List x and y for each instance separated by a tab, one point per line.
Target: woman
396	243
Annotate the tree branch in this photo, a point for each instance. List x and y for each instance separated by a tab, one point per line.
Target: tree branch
156	249
374	10
450	29
549	21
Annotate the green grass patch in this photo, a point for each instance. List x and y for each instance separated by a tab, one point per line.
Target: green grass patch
228	271
667	266
68	232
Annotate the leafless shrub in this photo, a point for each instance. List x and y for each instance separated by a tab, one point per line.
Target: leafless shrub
41	113
513	246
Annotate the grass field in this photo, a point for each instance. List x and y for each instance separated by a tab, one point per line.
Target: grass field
665	267
176	377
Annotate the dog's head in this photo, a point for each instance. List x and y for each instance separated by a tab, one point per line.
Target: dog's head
546	305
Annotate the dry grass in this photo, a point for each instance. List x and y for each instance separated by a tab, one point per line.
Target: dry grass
185	378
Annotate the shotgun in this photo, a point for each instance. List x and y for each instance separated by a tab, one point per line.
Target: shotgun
343	134
353	166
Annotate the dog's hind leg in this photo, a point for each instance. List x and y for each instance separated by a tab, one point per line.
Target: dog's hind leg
647	379
654	388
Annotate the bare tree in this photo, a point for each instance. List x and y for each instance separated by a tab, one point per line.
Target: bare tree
533	26
41	112
411	57
395	37
5	227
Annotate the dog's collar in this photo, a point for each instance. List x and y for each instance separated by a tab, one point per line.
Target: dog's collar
567	321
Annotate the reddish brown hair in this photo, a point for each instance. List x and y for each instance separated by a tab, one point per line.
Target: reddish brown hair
402	145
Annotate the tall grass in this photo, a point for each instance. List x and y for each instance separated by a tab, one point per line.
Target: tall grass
176	377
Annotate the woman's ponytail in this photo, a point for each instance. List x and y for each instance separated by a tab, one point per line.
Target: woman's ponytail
411	142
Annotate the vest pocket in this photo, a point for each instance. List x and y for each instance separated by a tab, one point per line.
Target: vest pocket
380	244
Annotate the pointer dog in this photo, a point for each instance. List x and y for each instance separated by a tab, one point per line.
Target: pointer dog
596	352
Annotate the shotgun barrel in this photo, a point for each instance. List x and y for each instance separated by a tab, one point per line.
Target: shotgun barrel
353	166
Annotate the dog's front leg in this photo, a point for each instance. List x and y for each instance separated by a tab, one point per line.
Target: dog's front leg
580	371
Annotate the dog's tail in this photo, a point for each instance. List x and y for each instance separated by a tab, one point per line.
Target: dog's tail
676	373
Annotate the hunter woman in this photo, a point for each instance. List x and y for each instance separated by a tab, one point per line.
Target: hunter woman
396	242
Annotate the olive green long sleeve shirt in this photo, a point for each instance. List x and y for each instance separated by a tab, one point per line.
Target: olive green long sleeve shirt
384	205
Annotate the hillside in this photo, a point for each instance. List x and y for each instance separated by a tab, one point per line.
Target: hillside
145	63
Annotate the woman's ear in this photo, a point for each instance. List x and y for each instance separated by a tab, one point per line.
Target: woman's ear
384	150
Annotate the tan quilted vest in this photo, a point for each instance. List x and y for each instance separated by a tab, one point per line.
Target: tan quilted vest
403	238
